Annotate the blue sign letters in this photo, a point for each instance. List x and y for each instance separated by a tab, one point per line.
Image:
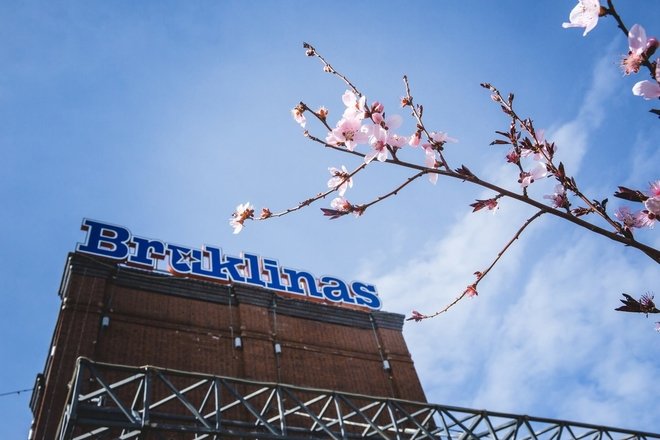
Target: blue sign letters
209	263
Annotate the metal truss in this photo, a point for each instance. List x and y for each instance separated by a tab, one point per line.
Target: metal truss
118	402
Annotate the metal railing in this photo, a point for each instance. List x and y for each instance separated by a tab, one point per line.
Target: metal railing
120	402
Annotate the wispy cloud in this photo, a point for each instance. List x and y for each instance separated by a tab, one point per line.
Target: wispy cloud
565	351
542	338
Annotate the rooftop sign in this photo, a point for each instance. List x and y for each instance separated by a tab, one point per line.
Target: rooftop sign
117	243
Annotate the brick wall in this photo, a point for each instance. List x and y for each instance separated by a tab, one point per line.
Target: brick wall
190	325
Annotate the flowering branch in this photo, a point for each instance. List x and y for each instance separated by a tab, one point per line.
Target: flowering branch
471	290
546	152
468	176
610	10
586	13
366	123
417	111
243	213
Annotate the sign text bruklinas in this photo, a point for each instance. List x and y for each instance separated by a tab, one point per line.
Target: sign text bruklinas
118	243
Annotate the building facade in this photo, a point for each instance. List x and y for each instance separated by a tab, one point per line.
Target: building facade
120	315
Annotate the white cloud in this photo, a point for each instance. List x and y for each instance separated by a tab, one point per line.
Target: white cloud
442	347
565	350
644	158
542	337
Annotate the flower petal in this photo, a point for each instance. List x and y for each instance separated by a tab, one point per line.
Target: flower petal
637	39
647	89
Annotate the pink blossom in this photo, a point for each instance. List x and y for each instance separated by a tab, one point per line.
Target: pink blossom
431	152
377	110
584	14
512	157
354	106
322	112
471	291
340	180
559	199
655	188
630	220
349	132
392	122
653	205
242	213
397	141
637	39
544	150
442	137
378	142
538	172
341	204
377	113
298	115
527	152
416	316
265	213
414	139
431	161
649	89
645	219
379	138
638	45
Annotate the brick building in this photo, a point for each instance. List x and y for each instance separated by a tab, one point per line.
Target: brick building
115	314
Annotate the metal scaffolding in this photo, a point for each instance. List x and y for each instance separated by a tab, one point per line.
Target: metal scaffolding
119	402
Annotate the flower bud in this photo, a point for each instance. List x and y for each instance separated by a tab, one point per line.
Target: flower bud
512	157
471	291
377	107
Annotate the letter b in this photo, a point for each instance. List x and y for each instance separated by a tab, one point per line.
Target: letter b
105	240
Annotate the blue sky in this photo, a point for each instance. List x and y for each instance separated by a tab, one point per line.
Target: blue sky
163	116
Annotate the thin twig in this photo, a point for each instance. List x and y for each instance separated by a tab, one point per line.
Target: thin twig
472	289
394	191
318	116
328	68
418	116
311	200
506	247
619	22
